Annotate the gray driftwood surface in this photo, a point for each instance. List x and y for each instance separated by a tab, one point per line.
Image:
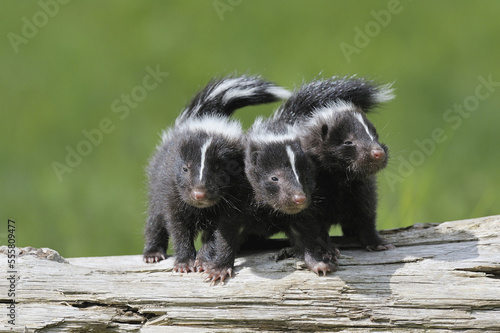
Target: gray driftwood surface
441	277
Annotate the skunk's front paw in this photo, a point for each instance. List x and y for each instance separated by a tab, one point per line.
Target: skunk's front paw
153	257
320	266
184	266
214	274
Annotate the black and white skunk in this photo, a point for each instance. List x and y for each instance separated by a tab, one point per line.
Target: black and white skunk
196	178
343	143
282	178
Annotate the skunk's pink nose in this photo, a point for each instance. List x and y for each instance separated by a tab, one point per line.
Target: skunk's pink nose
378	154
299	199
198	194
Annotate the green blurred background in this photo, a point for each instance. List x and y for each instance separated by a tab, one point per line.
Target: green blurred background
67	67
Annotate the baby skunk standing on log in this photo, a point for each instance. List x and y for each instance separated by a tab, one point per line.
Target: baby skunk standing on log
344	145
196	178
282	178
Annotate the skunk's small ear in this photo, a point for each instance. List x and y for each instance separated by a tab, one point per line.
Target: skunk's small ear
254	155
324	131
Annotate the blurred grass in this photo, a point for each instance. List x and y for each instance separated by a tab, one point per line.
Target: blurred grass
65	78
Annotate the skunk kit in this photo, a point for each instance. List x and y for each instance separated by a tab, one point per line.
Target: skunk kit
310	165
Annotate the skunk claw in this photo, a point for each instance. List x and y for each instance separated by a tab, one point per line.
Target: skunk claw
213	275
184	267
154	257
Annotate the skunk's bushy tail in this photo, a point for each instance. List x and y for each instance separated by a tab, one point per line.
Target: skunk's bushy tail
318	94
222	97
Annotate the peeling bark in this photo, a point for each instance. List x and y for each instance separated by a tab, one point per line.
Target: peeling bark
441	277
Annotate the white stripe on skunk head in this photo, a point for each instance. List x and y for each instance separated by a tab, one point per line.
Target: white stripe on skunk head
280	173
260	133
326	115
329	115
271	137
343	139
337	106
203	154
210	124
359	117
291	156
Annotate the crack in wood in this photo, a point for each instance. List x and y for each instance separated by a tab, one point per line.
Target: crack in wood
443	277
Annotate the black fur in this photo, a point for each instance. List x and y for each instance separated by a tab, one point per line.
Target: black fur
281	202
344	145
243	91
187	196
318	94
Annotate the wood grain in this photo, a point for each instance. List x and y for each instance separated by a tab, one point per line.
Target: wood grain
441	277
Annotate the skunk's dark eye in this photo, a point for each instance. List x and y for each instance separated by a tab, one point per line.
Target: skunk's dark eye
347	143
274	179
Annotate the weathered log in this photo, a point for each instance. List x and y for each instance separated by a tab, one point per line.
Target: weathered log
441	277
